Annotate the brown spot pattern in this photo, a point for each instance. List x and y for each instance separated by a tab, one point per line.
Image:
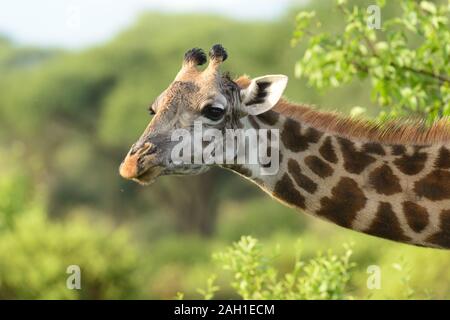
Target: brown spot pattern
398	150
302	181
416	215
434	186
384	181
443	159
318	166
326	150
386	224
354	161
374	148
442	237
313	135
285	190
270	117
347	199
413	164
294	140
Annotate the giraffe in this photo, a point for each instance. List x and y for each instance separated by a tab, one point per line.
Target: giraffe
387	180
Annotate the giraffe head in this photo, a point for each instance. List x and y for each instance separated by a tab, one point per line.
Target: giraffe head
196	96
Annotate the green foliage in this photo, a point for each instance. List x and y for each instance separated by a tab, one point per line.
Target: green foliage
407	60
34	257
15	192
253	271
210	290
13	58
407	272
35	251
254	277
16	188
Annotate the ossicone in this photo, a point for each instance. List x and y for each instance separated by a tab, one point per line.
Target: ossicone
195	56
218	53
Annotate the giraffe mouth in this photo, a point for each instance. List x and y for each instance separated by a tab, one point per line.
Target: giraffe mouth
148	176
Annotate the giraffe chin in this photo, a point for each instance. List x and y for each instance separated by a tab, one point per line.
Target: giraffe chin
149	176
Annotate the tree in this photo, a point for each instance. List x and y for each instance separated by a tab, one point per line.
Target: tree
193	201
406	60
88	107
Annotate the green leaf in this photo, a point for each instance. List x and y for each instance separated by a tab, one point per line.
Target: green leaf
428	6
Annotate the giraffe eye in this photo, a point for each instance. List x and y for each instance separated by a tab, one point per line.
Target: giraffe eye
151	111
213	113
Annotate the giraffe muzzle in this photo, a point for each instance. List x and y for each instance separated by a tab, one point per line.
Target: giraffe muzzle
139	164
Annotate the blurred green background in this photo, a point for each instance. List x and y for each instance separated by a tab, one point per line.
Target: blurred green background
67	118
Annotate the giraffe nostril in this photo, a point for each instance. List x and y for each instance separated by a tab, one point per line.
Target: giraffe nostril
143	149
152	149
147	149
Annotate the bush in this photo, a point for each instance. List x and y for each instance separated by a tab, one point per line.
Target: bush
35	251
35	254
254	277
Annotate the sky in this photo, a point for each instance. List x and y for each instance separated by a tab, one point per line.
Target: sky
76	24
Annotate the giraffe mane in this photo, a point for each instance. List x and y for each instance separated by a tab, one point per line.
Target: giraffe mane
393	131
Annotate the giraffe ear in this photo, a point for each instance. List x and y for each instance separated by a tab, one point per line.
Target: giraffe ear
263	93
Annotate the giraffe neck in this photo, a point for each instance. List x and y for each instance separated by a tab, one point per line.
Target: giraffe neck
399	192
